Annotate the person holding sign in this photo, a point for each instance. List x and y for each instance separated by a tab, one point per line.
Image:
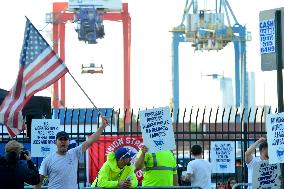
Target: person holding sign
117	171
199	170
160	168
251	160
61	166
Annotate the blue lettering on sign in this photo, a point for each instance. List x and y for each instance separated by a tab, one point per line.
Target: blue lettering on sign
267	36
280	153
223	166
278	141
159	143
223	154
267	175
45	149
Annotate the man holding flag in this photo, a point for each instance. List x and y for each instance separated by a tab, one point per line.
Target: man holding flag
40	67
61	167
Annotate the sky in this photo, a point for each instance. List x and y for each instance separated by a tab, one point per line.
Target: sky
151	74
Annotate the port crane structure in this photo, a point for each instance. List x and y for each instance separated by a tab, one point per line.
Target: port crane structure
207	30
89	16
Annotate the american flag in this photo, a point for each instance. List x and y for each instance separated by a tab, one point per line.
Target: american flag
40	67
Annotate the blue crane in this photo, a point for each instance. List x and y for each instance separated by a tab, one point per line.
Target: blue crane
89	16
207	31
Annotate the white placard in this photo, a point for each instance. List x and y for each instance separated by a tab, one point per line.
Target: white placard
157	129
275	137
267	36
266	175
43	133
223	157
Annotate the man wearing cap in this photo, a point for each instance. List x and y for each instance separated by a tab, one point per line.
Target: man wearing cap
13	174
117	171
61	166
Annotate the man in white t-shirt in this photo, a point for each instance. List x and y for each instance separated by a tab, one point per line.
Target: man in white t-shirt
198	170
61	166
251	160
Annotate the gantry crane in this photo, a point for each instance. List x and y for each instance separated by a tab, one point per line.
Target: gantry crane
89	19
207	31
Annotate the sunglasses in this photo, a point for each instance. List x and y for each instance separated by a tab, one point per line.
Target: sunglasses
127	153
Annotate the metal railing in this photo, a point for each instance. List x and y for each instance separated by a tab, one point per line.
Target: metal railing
193	126
168	187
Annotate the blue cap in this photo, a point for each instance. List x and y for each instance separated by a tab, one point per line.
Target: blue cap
123	152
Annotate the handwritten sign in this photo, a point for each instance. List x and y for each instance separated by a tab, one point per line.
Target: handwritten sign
275	137
266	176
157	129
43	136
267	36
223	157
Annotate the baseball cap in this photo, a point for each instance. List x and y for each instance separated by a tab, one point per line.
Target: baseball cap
123	152
62	134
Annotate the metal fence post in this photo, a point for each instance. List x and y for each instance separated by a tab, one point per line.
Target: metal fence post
279	64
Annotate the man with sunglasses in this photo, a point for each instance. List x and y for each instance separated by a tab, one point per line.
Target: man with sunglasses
61	166
117	171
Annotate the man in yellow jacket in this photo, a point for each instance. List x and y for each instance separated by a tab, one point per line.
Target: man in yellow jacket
117	171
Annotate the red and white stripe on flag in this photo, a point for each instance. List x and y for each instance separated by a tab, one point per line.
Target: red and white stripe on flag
40	67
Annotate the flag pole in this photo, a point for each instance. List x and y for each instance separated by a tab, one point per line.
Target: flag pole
84	92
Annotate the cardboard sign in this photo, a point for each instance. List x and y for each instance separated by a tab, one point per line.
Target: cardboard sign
223	157
43	136
157	129
275	137
266	176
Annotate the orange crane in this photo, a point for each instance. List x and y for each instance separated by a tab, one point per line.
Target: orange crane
59	18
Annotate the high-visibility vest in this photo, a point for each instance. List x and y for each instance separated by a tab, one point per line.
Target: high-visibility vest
156	167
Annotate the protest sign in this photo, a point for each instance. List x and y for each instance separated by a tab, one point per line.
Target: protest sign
223	157
43	136
266	176
275	137
157	129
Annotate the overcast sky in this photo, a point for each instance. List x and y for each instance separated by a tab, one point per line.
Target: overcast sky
150	55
